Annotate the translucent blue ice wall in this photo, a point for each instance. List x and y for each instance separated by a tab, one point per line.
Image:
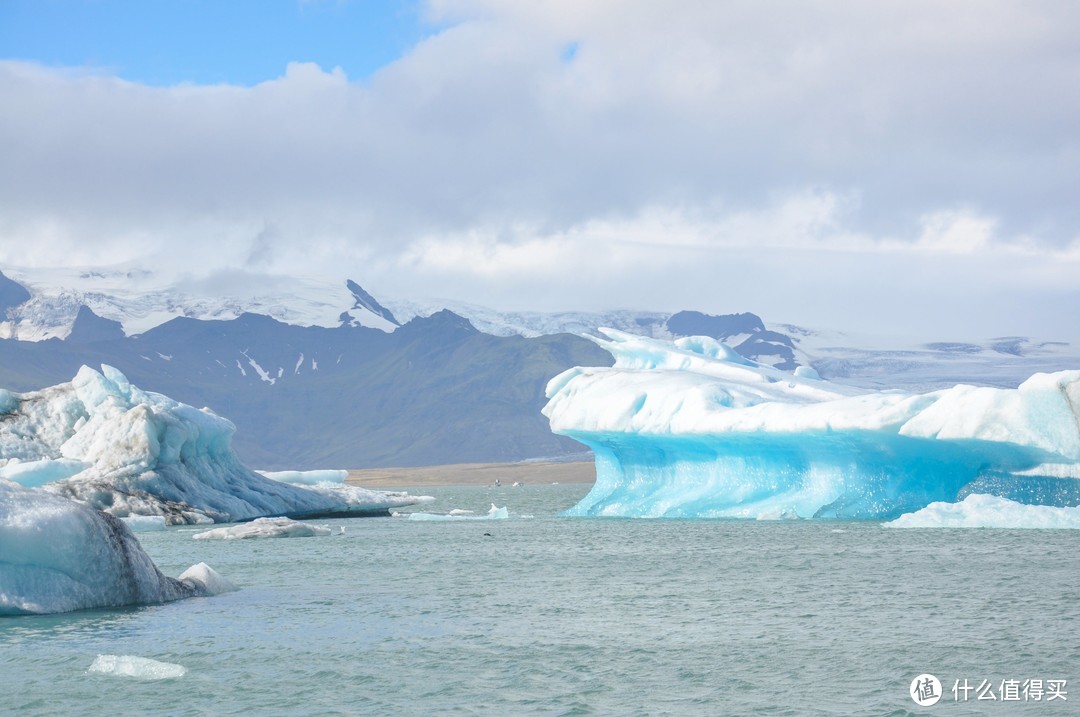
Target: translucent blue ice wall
856	475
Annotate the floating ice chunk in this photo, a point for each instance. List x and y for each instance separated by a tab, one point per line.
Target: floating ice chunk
206	581
340	500
142	668
494	513
144	523
306	477
685	430
265	528
989	511
57	556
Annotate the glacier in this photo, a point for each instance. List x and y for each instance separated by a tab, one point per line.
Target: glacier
104	442
57	556
140	298
692	429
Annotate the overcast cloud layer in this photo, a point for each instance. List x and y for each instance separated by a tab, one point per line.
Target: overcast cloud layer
908	165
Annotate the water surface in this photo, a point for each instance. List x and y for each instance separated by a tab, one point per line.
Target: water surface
574	616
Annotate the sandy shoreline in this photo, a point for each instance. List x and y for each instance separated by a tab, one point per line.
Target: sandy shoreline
474	474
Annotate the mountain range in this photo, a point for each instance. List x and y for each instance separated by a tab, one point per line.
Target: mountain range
320	374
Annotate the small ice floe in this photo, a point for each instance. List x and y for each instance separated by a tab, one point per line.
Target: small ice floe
988	511
206	581
141	668
494	514
144	523
517	484
265	528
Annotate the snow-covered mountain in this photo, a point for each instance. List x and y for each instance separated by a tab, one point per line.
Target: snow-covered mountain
38	304
536	323
85	305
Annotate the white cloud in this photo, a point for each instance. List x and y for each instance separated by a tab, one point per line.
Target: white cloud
792	149
956	232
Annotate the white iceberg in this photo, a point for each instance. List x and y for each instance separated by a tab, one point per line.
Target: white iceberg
265	528
107	443
692	429
306	477
142	668
209	580
57	556
989	511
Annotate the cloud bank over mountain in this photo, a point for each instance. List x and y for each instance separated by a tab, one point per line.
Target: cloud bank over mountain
728	156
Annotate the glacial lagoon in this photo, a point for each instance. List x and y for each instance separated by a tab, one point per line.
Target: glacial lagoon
551	615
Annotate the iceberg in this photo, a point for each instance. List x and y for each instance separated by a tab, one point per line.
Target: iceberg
692	429
57	556
265	528
104	442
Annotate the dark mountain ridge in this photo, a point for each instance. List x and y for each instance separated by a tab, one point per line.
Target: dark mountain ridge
434	391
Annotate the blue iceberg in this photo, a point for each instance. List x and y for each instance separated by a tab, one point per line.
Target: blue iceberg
692	429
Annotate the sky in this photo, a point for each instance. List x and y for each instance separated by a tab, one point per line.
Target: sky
897	167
